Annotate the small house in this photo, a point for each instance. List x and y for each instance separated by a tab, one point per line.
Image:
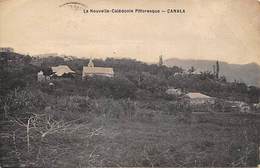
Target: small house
199	98
41	77
62	70
173	91
239	106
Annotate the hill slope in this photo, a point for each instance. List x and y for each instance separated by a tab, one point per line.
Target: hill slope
247	73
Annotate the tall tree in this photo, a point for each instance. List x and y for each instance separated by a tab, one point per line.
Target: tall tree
214	70
217	69
160	60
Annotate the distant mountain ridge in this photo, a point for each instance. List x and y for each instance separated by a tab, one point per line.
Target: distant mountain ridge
247	73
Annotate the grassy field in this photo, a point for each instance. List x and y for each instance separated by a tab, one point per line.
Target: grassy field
42	130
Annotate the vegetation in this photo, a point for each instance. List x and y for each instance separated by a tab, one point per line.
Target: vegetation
127	120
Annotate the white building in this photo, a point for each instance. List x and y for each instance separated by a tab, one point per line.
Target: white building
198	98
173	91
61	70
41	77
91	70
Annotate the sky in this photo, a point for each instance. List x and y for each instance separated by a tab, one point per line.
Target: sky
226	30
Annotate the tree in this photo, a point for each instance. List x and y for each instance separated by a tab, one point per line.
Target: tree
206	75
160	60
47	70
217	69
253	94
27	59
214	69
191	70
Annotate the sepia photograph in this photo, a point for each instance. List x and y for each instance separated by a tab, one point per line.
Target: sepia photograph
129	83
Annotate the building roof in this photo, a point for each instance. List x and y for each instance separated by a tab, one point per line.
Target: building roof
97	70
61	69
195	95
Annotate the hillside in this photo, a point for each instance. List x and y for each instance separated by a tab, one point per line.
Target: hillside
247	73
124	121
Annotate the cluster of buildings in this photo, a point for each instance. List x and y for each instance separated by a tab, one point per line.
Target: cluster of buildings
195	99
87	71
200	102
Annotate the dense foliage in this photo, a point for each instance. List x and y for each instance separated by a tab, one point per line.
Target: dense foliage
133	79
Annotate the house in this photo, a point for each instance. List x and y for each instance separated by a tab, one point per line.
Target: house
91	70
173	91
256	107
239	106
62	70
199	98
41	77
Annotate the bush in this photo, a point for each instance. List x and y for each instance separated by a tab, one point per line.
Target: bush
117	87
117	109
22	103
181	109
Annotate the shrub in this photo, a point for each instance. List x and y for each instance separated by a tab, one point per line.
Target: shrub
117	87
181	109
111	108
22	103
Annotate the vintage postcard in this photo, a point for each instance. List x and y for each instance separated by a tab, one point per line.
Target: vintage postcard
129	83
